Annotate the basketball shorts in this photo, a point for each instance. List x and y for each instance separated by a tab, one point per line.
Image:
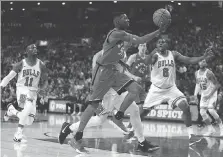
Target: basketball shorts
157	96
23	94
106	77
210	103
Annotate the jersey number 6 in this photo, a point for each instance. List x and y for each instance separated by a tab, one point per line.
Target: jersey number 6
165	72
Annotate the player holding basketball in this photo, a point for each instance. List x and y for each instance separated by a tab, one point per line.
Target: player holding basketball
208	85
163	76
106	75
30	70
110	102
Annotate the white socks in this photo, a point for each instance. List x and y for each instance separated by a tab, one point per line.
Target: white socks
135	120
94	121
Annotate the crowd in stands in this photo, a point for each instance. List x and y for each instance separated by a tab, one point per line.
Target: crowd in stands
70	65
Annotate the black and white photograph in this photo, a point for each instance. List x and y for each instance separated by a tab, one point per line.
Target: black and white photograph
111	78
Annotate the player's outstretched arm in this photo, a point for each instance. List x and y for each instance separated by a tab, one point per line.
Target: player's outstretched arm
192	60
134	39
16	69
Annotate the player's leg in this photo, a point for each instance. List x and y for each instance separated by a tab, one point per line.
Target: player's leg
213	112
101	84
177	99
206	117
94	121
124	83
27	115
140	102
135	119
207	120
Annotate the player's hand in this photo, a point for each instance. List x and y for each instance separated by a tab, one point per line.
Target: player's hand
208	53
138	79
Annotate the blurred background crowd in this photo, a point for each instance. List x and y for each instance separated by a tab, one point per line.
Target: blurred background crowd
69	34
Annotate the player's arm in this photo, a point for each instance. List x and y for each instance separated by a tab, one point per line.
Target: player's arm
197	87
213	79
16	69
192	60
131	60
44	76
134	39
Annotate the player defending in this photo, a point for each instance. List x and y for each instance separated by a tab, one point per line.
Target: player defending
106	76
207	83
30	70
163	76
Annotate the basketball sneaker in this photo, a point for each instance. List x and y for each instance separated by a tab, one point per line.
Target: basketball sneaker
19	137
64	132
77	145
9	112
146	146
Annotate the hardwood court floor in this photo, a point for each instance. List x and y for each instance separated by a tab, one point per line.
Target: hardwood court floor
105	141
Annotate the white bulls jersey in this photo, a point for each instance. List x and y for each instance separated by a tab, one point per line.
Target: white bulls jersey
205	84
29	76
163	74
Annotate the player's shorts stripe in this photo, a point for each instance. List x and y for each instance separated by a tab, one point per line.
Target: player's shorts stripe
93	77
32	115
162	88
96	101
123	88
177	99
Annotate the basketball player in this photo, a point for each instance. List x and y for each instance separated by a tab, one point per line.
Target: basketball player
106	75
110	102
163	88
208	85
140	70
30	70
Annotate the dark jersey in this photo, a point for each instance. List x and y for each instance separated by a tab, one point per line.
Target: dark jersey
139	67
112	51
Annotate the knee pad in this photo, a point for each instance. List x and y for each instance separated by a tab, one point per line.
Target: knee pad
30	119
213	113
183	105
204	114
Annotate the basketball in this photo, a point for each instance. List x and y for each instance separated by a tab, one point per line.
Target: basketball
161	16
